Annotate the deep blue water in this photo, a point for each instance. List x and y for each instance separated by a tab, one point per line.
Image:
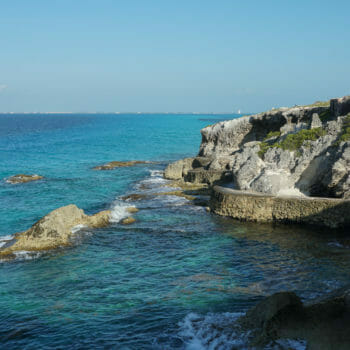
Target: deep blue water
170	280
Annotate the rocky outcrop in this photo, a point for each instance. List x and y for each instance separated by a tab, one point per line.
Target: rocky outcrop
340	106
118	164
23	178
259	207
302	150
56	229
178	169
324	323
128	221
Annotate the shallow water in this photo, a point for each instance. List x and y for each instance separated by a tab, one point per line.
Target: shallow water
176	279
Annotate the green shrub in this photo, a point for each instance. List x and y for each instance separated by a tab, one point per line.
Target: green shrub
326	115
293	142
320	104
273	134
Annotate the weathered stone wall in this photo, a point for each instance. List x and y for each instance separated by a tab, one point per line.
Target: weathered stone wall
251	206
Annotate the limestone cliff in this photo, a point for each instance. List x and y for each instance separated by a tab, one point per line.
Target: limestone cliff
298	150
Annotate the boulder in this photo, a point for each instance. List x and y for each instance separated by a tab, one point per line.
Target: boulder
178	169
127	221
56	229
324	322
23	178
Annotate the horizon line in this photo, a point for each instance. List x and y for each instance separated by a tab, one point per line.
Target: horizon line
84	112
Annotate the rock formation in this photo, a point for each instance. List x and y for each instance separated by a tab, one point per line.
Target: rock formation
324	323
127	221
54	230
299	150
23	178
118	164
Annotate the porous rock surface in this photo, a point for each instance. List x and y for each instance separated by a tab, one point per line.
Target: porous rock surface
259	207
55	229
231	151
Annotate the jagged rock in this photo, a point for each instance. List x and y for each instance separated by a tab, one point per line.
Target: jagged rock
340	106
55	229
324	322
301	150
23	178
118	164
178	169
201	162
200	175
316	121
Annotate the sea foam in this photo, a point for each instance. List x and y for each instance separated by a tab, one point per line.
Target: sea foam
119	211
220	331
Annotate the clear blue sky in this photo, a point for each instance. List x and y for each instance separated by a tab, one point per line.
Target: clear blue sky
111	55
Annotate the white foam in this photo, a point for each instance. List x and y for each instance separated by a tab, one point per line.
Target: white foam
5	239
288	344
119	211
26	255
336	244
77	228
156	173
211	331
220	331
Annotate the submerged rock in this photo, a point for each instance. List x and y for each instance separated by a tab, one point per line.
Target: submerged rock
132	210
324	323
23	178
129	220
118	164
135	197
55	229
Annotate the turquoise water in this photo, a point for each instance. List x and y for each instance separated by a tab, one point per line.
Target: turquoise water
176	279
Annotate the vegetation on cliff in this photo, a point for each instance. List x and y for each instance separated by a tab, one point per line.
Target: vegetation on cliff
291	142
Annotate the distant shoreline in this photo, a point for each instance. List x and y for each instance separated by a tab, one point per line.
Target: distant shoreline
133	113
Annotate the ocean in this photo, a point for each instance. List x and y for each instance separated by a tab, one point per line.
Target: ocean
177	278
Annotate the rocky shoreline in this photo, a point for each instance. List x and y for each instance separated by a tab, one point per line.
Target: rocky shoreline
324	322
282	155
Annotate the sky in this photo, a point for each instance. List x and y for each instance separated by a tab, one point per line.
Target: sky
171	56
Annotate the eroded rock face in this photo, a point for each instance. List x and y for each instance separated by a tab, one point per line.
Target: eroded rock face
23	178
323	323
299	151
340	106
178	169
55	229
118	164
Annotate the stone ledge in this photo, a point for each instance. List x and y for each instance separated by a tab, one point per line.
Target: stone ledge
258	207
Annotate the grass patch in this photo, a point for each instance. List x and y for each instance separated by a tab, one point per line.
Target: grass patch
273	134
325	115
293	142
320	104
